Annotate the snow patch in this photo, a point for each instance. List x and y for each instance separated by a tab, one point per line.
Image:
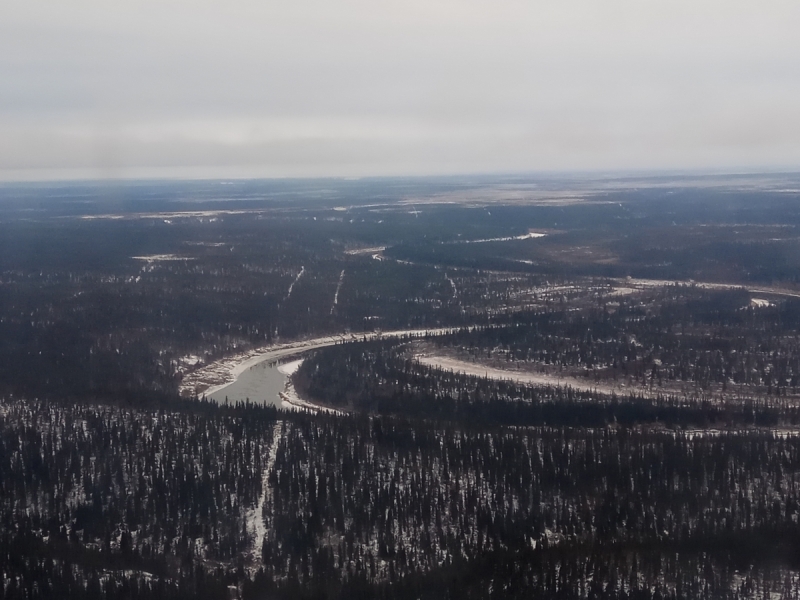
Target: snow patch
290	368
527	236
160	257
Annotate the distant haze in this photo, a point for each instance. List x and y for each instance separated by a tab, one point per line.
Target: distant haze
386	87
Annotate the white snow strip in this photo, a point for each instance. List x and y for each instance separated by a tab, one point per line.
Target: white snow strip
160	257
173	215
527	236
296	279
336	295
651	283
255	516
357	251
478	370
453	284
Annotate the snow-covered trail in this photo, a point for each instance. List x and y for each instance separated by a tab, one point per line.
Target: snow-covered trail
453	284
296	279
256	519
336	295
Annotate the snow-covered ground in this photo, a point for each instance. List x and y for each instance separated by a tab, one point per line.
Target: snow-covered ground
190	360
290	368
160	257
526	236
759	303
622	291
371	250
478	370
184	214
635	283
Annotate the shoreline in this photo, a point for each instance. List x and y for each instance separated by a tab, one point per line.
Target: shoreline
476	369
291	400
445	362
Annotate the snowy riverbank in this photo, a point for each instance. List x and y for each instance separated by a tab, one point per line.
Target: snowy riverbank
217	375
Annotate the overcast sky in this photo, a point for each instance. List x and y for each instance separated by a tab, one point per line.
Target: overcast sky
384	87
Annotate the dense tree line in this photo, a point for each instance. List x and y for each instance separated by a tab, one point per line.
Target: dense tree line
143	484
108	502
440	493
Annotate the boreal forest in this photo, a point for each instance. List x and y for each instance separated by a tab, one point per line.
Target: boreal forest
486	388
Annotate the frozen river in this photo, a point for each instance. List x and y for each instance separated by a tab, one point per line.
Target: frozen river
255	374
260	383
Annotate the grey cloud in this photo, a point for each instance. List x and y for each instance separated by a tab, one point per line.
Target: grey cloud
363	88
